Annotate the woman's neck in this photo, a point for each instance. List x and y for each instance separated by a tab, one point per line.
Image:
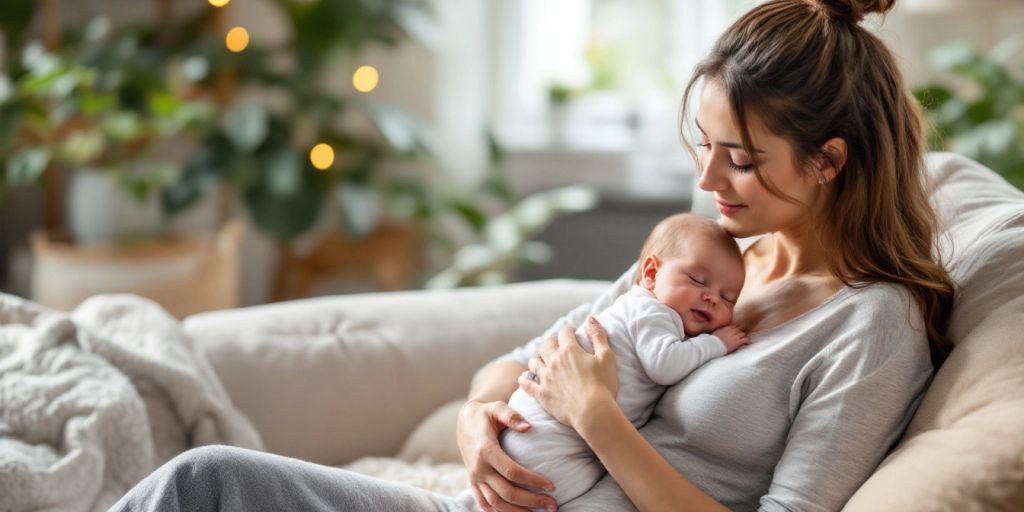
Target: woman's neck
788	254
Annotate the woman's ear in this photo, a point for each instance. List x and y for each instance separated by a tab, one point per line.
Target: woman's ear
834	152
648	270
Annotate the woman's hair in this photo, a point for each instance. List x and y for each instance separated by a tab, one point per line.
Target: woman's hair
810	73
674	234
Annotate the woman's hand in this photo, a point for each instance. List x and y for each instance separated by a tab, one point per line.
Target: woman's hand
567	380
493	475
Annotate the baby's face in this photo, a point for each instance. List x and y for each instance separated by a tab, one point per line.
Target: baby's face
702	286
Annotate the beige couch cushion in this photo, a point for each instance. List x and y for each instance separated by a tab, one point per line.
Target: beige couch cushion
964	449
337	378
433	440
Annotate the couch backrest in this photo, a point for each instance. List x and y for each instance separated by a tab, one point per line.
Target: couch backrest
964	448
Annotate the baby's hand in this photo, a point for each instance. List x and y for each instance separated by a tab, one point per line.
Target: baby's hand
733	337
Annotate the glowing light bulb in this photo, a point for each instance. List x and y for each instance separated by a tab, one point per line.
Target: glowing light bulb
219	3
365	79
237	39
322	156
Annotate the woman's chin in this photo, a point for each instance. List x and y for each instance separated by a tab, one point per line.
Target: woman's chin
737	228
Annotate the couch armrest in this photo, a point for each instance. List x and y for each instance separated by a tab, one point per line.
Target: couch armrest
335	378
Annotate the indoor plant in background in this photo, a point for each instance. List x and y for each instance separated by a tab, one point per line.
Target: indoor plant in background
113	120
262	149
273	102
980	114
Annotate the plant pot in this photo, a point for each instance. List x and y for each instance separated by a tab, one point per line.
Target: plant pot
101	211
186	274
559	123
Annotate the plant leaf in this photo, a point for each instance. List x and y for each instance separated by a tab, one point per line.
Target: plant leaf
360	208
284	173
247	126
283	218
953	55
27	166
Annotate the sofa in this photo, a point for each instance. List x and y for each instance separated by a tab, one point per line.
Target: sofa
372	381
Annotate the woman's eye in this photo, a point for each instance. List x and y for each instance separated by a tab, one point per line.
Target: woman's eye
740	167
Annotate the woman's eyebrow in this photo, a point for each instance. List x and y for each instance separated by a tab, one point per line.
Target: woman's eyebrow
726	144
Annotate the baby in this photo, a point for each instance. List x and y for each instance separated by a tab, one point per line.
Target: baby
676	318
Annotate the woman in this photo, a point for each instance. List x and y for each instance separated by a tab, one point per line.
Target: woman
810	141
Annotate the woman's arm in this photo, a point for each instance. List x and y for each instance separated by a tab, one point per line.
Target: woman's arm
579	389
647	478
495	381
493	476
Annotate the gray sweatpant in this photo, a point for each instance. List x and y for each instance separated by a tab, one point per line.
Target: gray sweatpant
225	478
214	478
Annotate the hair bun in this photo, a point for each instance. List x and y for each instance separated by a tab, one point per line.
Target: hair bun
853	11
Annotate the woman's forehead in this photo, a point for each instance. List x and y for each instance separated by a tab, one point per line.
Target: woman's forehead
715	118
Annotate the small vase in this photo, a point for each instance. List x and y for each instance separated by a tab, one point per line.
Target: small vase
101	211
559	124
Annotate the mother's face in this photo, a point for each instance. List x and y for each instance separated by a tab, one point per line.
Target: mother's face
747	207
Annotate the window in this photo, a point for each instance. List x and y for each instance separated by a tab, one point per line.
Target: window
627	61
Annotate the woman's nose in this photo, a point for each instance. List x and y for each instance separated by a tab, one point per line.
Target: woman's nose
710	180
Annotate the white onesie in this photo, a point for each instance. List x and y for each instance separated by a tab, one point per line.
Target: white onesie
651	352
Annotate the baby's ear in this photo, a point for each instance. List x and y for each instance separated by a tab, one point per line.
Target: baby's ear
648	271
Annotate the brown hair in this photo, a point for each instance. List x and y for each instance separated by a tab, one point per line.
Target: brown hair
811	73
672	233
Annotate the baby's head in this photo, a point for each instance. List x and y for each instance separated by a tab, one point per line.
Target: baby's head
694	267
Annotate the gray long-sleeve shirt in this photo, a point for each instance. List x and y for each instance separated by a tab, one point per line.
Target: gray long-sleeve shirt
799	419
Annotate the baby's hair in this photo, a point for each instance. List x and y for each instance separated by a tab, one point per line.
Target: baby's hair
673	233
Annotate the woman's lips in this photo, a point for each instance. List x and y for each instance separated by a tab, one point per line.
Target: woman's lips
728	208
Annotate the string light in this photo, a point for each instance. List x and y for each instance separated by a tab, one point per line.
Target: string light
237	39
322	156
219	3
365	79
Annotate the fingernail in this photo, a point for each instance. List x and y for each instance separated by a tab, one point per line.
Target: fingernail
552	508
592	320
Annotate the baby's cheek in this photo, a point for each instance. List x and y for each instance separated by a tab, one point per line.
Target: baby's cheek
724	319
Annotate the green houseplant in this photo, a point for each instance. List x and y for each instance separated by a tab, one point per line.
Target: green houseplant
981	113
260	150
106	116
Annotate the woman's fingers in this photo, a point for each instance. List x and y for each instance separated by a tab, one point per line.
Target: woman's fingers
509	417
535	364
509	469
527	381
547	349
492	499
517	498
567	336
599	338
480	498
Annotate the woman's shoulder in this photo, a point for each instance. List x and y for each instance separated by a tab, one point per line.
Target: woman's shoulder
881	317
881	299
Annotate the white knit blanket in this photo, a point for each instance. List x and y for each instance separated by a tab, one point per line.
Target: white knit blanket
92	402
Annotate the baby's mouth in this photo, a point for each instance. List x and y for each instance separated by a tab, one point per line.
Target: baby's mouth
702	316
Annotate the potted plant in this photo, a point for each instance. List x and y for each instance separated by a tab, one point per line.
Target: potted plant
112	121
981	114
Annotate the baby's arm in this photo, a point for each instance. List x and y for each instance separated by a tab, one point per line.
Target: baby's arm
665	356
